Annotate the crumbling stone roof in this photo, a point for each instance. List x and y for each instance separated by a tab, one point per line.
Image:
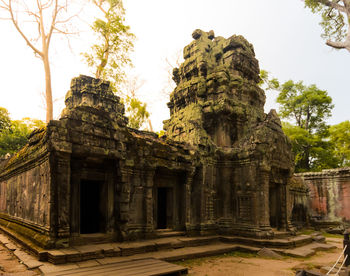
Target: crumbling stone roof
218	105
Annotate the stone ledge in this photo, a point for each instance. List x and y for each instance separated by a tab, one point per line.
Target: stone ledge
29	234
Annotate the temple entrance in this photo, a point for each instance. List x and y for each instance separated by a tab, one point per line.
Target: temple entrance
169	207
274	206
90	212
165	208
299	216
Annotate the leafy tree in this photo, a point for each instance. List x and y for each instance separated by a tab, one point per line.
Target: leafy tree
335	16
340	137
110	54
308	107
269	83
16	136
136	111
5	121
312	151
48	17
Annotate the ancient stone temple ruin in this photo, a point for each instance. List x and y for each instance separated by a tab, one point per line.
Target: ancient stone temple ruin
223	167
328	194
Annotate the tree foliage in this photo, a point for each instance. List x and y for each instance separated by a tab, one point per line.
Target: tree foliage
135	109
308	108
16	136
340	137
312	151
136	112
110	54
5	121
269	83
307	105
335	16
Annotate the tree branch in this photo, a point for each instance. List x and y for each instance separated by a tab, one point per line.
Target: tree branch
99	5
332	4
53	23
64	32
339	44
36	50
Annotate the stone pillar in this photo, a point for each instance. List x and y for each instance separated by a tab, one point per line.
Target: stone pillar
149	200
62	190
188	189
110	181
207	197
123	201
288	212
283	201
264	206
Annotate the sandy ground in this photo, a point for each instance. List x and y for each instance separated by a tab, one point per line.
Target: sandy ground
243	265
9	264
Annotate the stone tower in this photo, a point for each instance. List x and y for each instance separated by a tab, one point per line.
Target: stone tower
218	107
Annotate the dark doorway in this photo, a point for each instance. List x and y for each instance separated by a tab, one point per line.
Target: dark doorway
90	213
162	208
275	207
299	216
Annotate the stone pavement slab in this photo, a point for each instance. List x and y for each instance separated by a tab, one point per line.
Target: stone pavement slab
11	246
51	268
308	250
144	267
88	263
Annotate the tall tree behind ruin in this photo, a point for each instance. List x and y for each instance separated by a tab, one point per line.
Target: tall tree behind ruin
335	21
114	42
340	137
110	55
308	107
48	17
135	109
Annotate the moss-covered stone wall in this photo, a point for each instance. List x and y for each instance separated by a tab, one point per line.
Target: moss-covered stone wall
329	192
224	166
30	191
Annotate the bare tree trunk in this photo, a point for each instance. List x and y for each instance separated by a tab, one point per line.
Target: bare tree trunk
104	61
48	88
305	161
150	125
45	35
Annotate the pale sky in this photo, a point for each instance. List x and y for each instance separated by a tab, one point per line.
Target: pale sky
285	36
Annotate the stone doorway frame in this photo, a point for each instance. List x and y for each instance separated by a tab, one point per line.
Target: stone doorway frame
173	181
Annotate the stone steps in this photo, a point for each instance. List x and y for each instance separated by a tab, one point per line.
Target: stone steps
171	255
98	251
168	233
290	242
295	246
165	255
166	249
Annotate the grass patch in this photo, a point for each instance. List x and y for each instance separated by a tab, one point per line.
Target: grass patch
328	235
307	231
